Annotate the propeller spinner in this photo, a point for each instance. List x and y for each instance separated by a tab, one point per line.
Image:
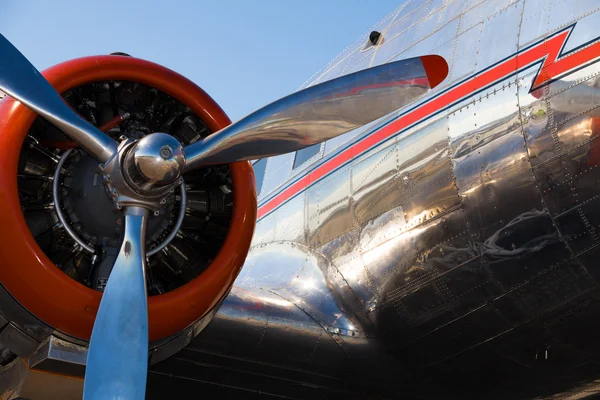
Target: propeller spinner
137	174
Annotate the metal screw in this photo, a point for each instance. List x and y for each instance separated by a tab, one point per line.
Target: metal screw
166	152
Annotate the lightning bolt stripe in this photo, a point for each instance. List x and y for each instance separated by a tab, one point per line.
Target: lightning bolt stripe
553	65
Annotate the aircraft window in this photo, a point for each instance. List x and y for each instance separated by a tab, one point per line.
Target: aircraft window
305	154
259	173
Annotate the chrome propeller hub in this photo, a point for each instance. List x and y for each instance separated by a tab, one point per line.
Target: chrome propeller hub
154	161
141	173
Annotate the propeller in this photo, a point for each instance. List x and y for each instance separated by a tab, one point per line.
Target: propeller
118	354
117	360
22	81
320	112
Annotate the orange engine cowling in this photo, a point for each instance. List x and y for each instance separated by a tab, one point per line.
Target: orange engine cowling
62	302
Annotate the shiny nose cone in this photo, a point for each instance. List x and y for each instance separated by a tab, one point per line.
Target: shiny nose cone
158	160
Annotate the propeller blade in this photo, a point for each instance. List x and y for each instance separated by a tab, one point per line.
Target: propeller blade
22	81
117	361
320	112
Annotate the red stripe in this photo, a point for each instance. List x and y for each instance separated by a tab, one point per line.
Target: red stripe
551	68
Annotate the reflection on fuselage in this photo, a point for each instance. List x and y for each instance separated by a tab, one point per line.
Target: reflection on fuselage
445	261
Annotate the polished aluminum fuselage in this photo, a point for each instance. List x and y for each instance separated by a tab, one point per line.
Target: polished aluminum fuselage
454	256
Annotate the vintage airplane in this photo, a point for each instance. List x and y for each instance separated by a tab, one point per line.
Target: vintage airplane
427	221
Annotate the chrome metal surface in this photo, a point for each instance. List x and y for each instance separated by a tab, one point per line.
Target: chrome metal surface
56	187
469	240
313	115
20	80
277	172
158	160
168	347
59	356
122	193
117	360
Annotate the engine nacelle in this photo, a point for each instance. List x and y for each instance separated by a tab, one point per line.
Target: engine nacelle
56	280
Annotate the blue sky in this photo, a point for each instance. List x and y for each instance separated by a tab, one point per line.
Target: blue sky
244	53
